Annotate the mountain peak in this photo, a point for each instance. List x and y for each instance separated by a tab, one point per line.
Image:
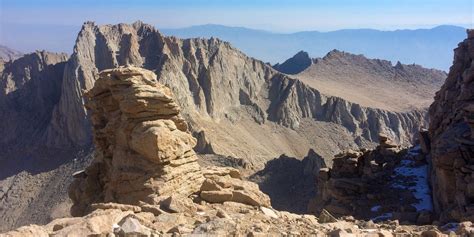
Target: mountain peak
296	64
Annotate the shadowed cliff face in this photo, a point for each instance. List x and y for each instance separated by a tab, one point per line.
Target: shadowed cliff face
452	140
220	90
30	88
296	64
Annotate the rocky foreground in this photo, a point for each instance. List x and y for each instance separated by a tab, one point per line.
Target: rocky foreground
145	181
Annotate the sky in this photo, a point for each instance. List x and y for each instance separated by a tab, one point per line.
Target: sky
272	15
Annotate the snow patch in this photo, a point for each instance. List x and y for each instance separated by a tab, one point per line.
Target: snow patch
375	208
382	217
419	176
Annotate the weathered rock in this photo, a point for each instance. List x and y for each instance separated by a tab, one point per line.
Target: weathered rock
178	204
145	153
361	183
123	207
144	150
130	226
268	212
221	187
451	135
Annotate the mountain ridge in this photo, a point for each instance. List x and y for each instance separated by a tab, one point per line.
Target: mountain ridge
266	45
421	46
236	103
370	82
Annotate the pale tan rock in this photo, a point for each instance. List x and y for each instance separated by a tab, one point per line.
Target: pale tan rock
218	196
118	206
268	212
27	231
178	204
152	152
219	189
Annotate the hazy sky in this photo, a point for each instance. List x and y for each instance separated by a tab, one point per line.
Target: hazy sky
273	15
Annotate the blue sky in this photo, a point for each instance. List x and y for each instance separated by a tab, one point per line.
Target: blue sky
273	15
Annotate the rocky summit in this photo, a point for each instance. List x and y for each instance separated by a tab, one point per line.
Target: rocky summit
144	179
237	107
150	135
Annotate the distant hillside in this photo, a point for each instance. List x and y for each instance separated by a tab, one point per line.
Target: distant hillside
368	82
432	48
8	54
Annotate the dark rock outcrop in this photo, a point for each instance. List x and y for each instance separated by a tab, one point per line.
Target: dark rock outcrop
29	90
385	183
296	64
452	140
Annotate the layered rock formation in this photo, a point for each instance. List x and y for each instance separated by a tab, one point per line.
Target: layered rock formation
144	179
452	141
144	151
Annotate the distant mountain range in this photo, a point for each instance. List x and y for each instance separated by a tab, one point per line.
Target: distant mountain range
432	48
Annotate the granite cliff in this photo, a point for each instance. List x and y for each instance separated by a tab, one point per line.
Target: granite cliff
234	105
144	179
220	90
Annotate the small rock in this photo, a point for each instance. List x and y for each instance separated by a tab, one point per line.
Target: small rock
110	205
222	214
177	204
152	209
370	225
130	226
268	212
326	217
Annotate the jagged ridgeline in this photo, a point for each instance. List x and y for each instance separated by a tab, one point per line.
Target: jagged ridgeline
244	107
234	105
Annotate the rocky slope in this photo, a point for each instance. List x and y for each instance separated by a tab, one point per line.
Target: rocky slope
8	54
373	83
235	105
220	90
296	64
155	187
451	134
30	88
386	183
